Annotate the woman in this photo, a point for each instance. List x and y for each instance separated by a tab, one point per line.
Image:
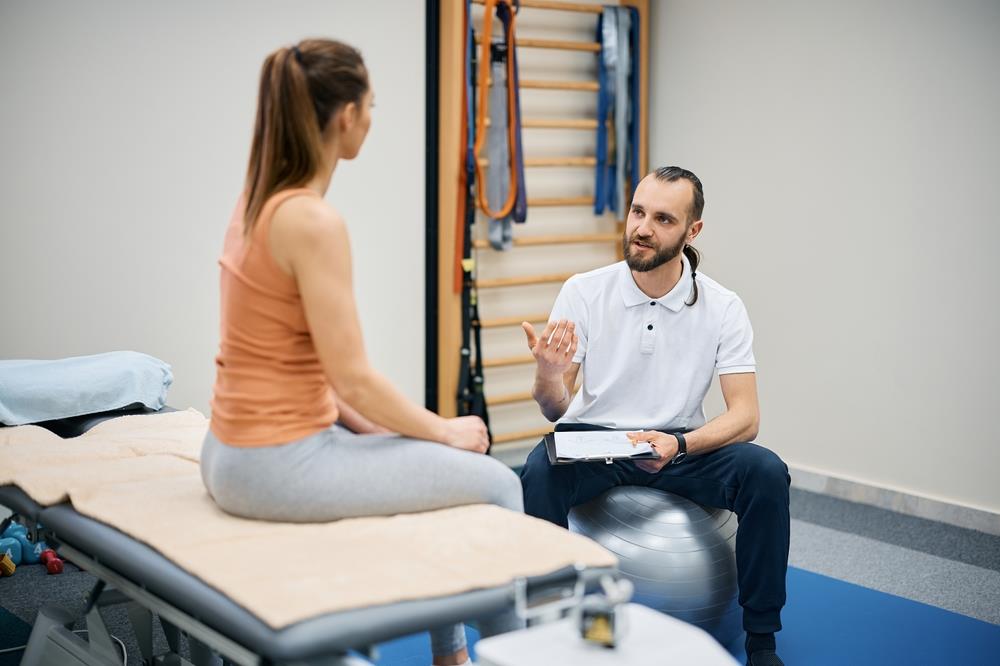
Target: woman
292	362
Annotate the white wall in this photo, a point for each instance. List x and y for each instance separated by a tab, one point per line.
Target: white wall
849	155
124	134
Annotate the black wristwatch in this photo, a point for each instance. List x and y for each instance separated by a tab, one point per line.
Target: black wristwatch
682	448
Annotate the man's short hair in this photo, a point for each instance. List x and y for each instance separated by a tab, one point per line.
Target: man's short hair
670	174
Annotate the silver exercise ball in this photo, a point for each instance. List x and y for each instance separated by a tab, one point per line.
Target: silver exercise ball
680	556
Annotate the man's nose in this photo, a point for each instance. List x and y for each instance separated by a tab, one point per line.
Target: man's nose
644	228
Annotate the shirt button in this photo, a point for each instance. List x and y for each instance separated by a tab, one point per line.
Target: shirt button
649	328
652	302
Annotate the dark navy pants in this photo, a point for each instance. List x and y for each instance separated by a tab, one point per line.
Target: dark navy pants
745	478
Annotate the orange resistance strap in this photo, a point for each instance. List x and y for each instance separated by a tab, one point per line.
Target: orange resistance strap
481	110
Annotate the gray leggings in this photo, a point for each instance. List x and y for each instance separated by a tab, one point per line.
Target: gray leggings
336	474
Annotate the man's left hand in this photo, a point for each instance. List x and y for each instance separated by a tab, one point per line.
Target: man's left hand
665	445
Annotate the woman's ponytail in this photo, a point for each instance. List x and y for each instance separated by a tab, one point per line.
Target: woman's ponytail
300	89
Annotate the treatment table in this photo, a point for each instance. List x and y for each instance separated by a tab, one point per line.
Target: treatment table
151	583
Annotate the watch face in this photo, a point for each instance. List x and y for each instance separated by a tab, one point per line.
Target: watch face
679	457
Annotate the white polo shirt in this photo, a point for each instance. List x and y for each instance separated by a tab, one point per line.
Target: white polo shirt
648	363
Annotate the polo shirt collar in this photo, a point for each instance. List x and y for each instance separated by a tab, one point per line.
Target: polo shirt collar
672	300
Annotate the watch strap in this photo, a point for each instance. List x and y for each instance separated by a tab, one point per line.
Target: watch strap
682	449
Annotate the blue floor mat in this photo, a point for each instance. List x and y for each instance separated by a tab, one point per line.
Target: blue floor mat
828	621
831	622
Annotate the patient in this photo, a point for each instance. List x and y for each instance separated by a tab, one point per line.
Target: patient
292	362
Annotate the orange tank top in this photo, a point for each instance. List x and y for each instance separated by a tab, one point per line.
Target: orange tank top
269	385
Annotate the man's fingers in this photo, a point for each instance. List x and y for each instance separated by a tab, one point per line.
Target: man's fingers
561	336
567	336
556	335
529	332
547	333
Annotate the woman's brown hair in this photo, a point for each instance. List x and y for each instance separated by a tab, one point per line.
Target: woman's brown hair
301	88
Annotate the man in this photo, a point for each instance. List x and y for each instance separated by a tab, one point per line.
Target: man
649	333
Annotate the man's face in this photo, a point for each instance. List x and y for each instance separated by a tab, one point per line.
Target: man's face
658	224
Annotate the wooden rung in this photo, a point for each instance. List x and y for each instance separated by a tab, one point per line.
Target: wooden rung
580	86
535	433
523	280
584	86
511	398
551	162
558	44
560	161
556	123
555	240
560	123
499	322
506	361
568	238
558	6
508	398
561	201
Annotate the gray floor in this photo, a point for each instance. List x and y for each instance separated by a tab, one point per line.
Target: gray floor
945	566
927	536
31	587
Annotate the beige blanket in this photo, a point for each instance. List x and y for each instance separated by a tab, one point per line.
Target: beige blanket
140	474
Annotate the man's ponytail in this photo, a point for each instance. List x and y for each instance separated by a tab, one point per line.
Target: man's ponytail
693	257
670	174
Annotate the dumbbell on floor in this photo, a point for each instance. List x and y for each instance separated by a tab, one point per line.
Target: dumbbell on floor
52	563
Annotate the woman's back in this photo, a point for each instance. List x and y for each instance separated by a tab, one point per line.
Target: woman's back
270	386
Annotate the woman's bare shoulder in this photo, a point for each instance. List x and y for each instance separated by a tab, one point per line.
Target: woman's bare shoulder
305	225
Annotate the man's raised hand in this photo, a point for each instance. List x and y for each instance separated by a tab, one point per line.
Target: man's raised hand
554	348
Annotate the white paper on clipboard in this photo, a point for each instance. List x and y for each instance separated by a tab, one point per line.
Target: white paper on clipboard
597	444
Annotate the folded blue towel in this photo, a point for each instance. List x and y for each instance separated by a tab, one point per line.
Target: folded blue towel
34	391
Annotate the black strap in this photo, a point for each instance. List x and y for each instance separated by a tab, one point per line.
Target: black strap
682	448
471	399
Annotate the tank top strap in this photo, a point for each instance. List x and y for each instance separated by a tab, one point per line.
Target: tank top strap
258	263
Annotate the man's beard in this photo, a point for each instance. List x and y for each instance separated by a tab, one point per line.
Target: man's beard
661	255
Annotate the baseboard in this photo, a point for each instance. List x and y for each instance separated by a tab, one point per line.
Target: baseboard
896	500
849	489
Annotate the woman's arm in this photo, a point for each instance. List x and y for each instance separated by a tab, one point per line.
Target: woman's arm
310	242
352	419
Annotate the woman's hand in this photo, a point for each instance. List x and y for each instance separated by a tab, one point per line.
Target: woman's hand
467	433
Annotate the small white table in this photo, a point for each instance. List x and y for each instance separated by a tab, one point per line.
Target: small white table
650	638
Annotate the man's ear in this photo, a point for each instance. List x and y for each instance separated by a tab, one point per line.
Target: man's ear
694	230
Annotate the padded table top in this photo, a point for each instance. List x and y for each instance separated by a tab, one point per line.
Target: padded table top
325	634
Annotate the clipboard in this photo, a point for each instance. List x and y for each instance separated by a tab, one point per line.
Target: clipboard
550	450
